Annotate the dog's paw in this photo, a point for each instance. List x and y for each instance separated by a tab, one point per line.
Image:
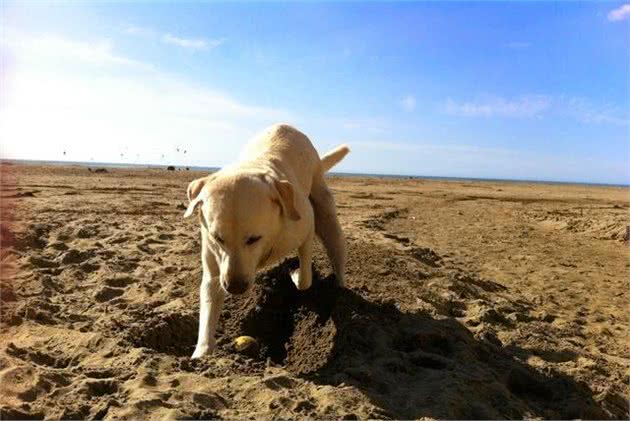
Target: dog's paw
202	350
299	282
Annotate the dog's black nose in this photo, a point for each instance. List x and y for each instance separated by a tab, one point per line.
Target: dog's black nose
237	287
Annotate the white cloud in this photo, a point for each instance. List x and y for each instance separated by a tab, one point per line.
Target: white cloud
176	40
52	47
408	103
191	44
530	106
620	13
491	106
586	112
119	107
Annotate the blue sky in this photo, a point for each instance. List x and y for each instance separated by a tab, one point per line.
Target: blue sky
525	90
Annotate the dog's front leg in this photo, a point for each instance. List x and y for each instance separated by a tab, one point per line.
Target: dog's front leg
303	277
211	297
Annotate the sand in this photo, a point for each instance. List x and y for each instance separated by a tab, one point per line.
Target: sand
465	299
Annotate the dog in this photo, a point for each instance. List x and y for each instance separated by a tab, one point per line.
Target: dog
253	213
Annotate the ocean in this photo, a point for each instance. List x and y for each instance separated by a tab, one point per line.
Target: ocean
332	173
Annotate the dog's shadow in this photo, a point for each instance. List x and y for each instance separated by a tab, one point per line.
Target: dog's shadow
410	365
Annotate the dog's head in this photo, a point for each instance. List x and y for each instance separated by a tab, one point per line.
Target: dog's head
241	216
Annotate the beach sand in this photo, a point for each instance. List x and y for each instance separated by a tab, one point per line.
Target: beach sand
465	299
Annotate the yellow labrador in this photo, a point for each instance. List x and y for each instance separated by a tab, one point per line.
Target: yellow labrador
258	211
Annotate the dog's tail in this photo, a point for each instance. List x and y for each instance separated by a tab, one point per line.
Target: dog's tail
333	157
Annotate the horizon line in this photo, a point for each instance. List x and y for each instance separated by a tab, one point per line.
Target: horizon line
333	173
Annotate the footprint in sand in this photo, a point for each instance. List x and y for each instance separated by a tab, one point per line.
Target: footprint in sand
88	267
58	245
41	262
119	281
87	232
124	264
21	382
75	256
118	239
35	237
108	293
114	288
98	387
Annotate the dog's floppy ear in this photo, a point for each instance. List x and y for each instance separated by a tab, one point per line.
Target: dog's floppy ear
287	198
195	194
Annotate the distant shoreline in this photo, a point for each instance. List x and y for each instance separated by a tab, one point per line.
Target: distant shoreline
336	174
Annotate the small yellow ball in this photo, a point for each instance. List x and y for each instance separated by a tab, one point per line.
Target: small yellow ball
246	345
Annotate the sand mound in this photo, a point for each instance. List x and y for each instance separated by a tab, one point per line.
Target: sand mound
409	363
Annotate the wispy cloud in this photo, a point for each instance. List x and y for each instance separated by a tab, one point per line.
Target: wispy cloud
537	106
491	106
100	53
408	103
586	112
191	44
620	13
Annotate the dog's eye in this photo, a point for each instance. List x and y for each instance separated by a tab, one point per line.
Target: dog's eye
218	238
251	240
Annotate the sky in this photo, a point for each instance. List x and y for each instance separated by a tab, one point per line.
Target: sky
516	90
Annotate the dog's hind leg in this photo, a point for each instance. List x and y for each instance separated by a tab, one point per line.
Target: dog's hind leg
327	227
211	297
303	277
